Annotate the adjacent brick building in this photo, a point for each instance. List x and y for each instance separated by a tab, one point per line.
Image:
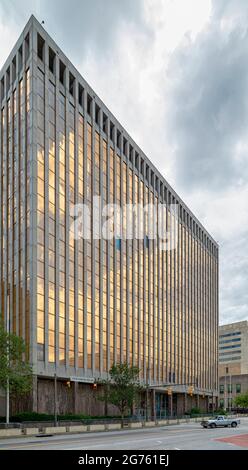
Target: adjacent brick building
233	362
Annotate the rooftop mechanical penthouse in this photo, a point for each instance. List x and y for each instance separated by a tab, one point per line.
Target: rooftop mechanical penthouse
83	304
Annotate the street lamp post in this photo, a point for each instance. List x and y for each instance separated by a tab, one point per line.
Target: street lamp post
147	401
225	391
7	385
147	391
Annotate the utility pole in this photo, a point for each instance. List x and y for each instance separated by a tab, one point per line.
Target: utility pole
225	394
171	404
230	398
147	391
55	401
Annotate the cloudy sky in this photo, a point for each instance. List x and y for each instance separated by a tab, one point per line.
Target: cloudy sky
175	73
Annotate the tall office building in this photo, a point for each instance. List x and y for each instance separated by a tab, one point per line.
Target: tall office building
233	362
83	304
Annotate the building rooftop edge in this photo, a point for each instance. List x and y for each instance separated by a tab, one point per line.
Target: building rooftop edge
234	324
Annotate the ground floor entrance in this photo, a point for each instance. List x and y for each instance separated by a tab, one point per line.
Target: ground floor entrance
67	397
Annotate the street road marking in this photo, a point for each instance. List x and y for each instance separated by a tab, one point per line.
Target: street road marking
66	440
51	442
73	441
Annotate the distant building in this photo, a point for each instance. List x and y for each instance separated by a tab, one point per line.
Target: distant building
233	362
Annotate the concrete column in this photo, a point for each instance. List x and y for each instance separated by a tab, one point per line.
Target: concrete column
106	408
101	260
85	241
198	401
213	403
75	398
171	404
128	251
93	242
76	246
35	394
154	404
33	205
147	403
185	403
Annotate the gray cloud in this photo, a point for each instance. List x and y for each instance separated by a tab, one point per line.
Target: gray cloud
230	9
207	123
208	113
234	276
80	25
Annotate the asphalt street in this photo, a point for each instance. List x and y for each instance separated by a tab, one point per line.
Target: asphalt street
183	436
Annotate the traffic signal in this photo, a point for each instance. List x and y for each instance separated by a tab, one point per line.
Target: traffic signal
68	383
169	391
94	386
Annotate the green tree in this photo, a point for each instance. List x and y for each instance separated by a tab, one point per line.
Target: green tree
122	388
242	400
14	370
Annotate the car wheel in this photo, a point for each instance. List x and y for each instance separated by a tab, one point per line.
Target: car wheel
213	425
234	425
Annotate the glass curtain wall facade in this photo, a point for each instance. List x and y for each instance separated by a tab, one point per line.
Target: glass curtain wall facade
15	197
83	304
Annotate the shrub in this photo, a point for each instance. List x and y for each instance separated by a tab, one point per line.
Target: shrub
31	416
221	411
195	411
41	417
